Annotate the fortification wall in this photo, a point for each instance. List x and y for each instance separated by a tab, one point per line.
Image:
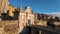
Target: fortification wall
9	27
41	23
57	23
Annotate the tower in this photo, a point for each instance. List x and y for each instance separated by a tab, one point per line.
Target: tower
20	7
22	19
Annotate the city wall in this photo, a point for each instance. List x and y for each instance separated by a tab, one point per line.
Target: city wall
9	27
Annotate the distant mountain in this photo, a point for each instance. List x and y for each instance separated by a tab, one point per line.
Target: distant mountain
54	14
58	15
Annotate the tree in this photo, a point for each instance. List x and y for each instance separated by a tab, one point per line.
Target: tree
56	18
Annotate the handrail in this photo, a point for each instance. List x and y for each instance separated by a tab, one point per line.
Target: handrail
43	28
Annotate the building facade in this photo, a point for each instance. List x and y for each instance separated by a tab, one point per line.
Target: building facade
11	10
26	18
4	6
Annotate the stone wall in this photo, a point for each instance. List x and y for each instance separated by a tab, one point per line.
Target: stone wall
57	23
9	27
41	22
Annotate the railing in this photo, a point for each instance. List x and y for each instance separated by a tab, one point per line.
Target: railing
39	30
44	30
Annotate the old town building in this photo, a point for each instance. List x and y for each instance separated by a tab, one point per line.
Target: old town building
7	11
11	10
26	18
4	6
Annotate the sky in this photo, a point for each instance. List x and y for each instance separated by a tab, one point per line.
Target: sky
39	6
